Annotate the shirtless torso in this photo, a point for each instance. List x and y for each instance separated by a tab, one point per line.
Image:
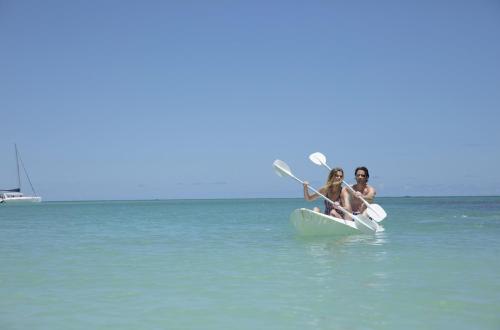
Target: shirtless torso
363	190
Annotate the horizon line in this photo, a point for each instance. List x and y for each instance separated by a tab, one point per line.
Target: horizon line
242	198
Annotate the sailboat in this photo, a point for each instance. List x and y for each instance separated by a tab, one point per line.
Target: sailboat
15	195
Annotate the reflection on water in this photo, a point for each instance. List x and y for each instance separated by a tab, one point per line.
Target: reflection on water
334	242
332	251
358	260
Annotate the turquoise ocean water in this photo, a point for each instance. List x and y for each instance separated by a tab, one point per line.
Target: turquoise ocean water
224	264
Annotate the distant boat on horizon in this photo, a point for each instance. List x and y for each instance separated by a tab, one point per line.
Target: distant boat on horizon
15	195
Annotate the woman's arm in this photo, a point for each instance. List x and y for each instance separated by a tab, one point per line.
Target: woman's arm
345	197
307	196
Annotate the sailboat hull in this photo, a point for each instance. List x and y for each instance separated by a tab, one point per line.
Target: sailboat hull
21	200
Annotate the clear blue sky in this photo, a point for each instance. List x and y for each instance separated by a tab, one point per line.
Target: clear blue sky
196	99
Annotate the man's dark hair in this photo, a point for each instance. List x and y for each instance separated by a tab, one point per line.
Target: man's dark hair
364	169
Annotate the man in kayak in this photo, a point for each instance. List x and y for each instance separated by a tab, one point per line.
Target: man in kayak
362	190
333	190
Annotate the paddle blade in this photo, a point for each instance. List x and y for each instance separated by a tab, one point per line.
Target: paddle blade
364	224
281	168
376	212
318	158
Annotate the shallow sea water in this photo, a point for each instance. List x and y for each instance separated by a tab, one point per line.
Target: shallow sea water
221	264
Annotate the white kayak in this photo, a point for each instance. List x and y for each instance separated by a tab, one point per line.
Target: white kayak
310	223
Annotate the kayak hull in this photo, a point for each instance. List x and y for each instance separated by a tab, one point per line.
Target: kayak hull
310	223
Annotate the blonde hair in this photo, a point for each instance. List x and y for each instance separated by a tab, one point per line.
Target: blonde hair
331	178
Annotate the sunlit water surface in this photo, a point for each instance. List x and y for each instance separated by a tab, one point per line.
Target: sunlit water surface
225	264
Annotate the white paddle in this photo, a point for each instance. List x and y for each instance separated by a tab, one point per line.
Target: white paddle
283	169
374	211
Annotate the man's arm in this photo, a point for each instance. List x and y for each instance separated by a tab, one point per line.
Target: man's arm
370	195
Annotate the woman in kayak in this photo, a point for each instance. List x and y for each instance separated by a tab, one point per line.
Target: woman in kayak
333	190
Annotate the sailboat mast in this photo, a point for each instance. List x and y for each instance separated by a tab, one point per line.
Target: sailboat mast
17	163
